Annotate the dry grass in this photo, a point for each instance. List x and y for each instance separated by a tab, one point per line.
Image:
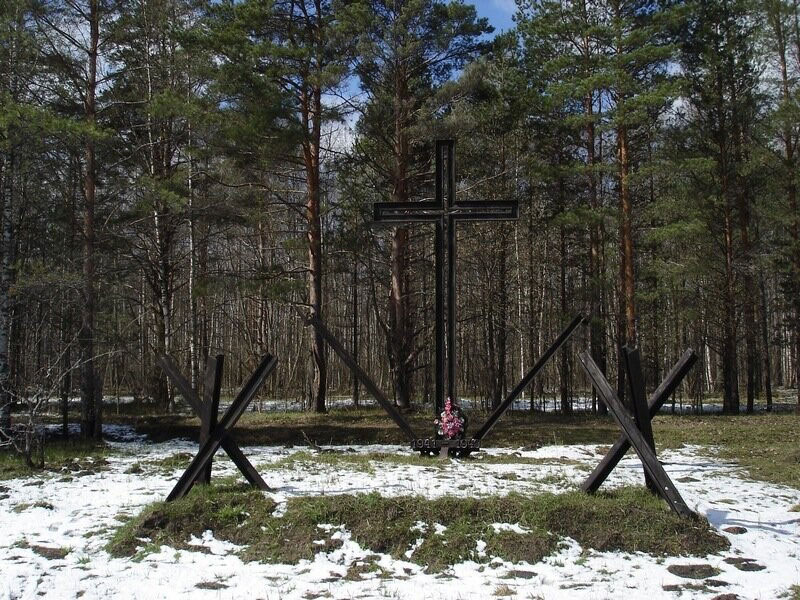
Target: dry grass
765	444
72	455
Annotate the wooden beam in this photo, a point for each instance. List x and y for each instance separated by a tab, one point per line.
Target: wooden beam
641	416
657	400
180	382
229	445
635	437
373	389
208	418
219	433
530	375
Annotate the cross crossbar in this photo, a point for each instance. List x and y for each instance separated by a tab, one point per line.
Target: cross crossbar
428	211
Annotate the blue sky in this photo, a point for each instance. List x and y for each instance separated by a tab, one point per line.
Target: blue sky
499	12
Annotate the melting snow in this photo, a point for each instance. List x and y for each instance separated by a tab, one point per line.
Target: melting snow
76	515
514	528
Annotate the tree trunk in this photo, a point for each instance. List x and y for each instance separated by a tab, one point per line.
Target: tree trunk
626	238
90	408
491	350
566	405
499	384
532	303
597	342
66	374
746	261
399	329
6	265
765	343
356	386
751	357
502	323
194	365
730	373
312	117
789	143
9	177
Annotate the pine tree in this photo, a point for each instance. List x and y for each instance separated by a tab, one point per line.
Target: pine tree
717	58
295	52
78	60
17	48
782	46
607	65
406	51
486	112
154	85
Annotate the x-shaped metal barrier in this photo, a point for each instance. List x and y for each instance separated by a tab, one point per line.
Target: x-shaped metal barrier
637	429
215	434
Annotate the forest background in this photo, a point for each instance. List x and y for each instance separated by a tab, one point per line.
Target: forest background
180	176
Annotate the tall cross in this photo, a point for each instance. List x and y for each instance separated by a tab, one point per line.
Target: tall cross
444	212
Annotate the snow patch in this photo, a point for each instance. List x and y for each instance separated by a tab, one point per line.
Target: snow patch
86	510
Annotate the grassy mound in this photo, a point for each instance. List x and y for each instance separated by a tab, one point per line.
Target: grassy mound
628	519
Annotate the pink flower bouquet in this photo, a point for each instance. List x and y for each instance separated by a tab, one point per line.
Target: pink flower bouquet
451	422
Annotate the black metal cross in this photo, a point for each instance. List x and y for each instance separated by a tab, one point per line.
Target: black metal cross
444	212
214	434
637	430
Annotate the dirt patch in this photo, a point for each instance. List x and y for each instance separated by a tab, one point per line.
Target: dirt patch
50	553
517	574
736	530
745	564
697	571
210	585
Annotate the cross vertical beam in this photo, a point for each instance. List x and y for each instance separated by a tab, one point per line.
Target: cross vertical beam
439	321
443	213
447	147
